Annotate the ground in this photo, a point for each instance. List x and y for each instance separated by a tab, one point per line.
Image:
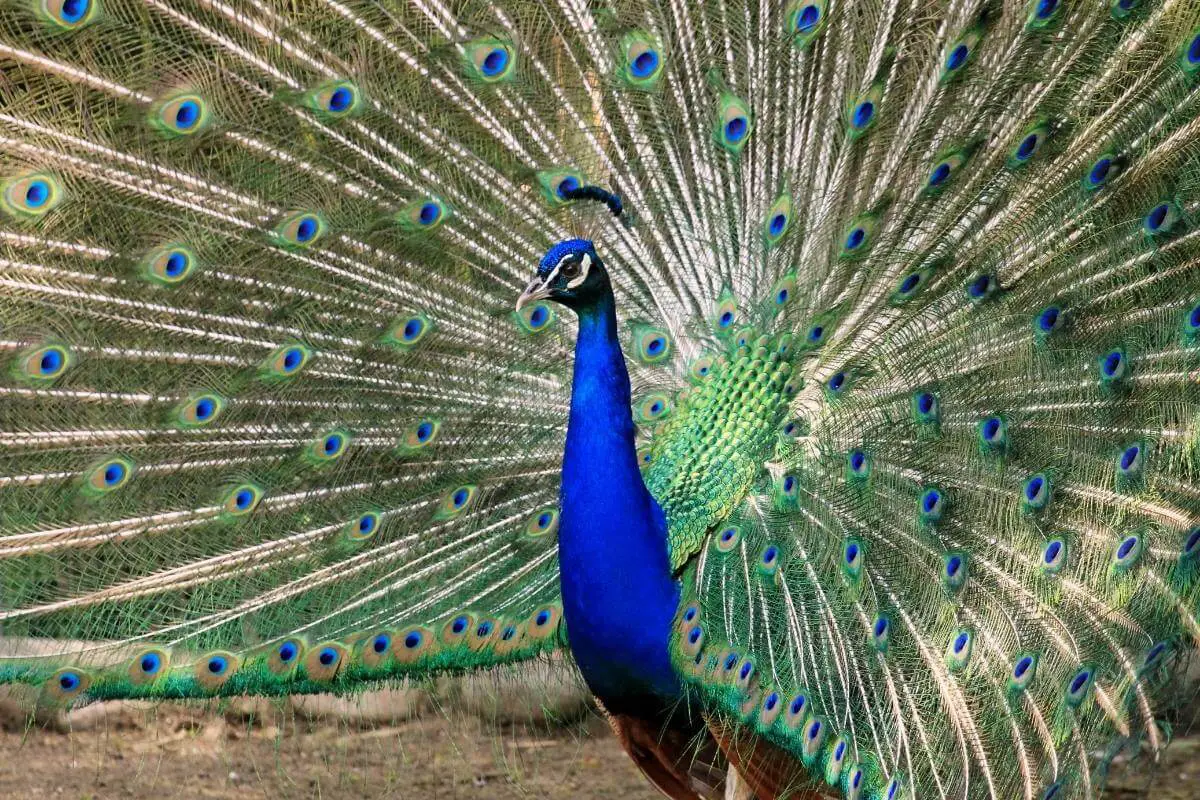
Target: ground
440	751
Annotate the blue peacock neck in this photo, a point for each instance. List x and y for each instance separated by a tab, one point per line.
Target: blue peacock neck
619	596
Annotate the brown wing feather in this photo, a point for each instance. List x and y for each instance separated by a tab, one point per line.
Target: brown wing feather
681	760
771	773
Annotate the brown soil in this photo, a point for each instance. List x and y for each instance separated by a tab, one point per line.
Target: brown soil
174	752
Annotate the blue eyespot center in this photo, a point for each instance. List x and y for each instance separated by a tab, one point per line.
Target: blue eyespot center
113	474
1157	216
327	657
68	681
881	626
1080	681
460	498
925	402
837	381
50	362
1022	666
808	18
73	10
484	629
287	651
1046	8
961	642
815	333
381	643
1193	53
1127	547
459	625
1052	550
1033	487
542	618
798	704
851	552
306	230
863	113
333	443
979	286
412	329
340	99
217	665
1100	171
726	319
1192	545
939	175
205	408
150	663
931	500
413	640
243	499
814	730
656	345
953	565
855	239
957	57
789	484
770	554
858	460
1112	363
1027	147
366	523
782	297
644	64
37	193
771	701
736	129
187	114
1129	457
429	213
538	317
777	223
495	62
1048	319
176	263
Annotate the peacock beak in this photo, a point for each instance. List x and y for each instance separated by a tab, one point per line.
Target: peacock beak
536	290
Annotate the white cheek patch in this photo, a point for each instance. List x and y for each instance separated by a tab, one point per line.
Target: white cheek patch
584	265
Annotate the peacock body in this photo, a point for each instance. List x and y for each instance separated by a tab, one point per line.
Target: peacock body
873	469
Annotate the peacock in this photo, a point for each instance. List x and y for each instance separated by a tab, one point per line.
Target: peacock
821	378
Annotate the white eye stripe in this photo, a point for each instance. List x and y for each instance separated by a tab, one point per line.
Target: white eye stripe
584	265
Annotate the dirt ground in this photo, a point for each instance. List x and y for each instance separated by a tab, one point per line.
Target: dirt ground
173	752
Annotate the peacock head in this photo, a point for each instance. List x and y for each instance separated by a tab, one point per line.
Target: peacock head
570	273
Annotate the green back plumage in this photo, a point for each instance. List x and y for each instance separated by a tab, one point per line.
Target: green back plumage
910	293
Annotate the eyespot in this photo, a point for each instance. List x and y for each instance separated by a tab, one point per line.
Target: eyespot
727	538
242	499
837	383
362	527
410	645
880	633
1114	366
456	501
301	229
543	622
535	317
778	219
784	290
814	732
1023	672
1190	57
1035	494
1161	219
643	63
169	265
1131	460
422	215
789	488
651	345
1103	170
858	236
805	20
932	504
43	364
1155	654
1029	143
325	661
180	115
283	657
69	14
768	560
336	99
490	60
108	476
1049	320
734	125
199	410
1128	552
419	435
1054	556
925	406
543	522
863	111
943	171
329	446
958	54
148	666
408	331
981	287
858	465
215	669
725	314
66	685
32	195
853	555
1043	12
285	362
954	571
958	651
653	408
